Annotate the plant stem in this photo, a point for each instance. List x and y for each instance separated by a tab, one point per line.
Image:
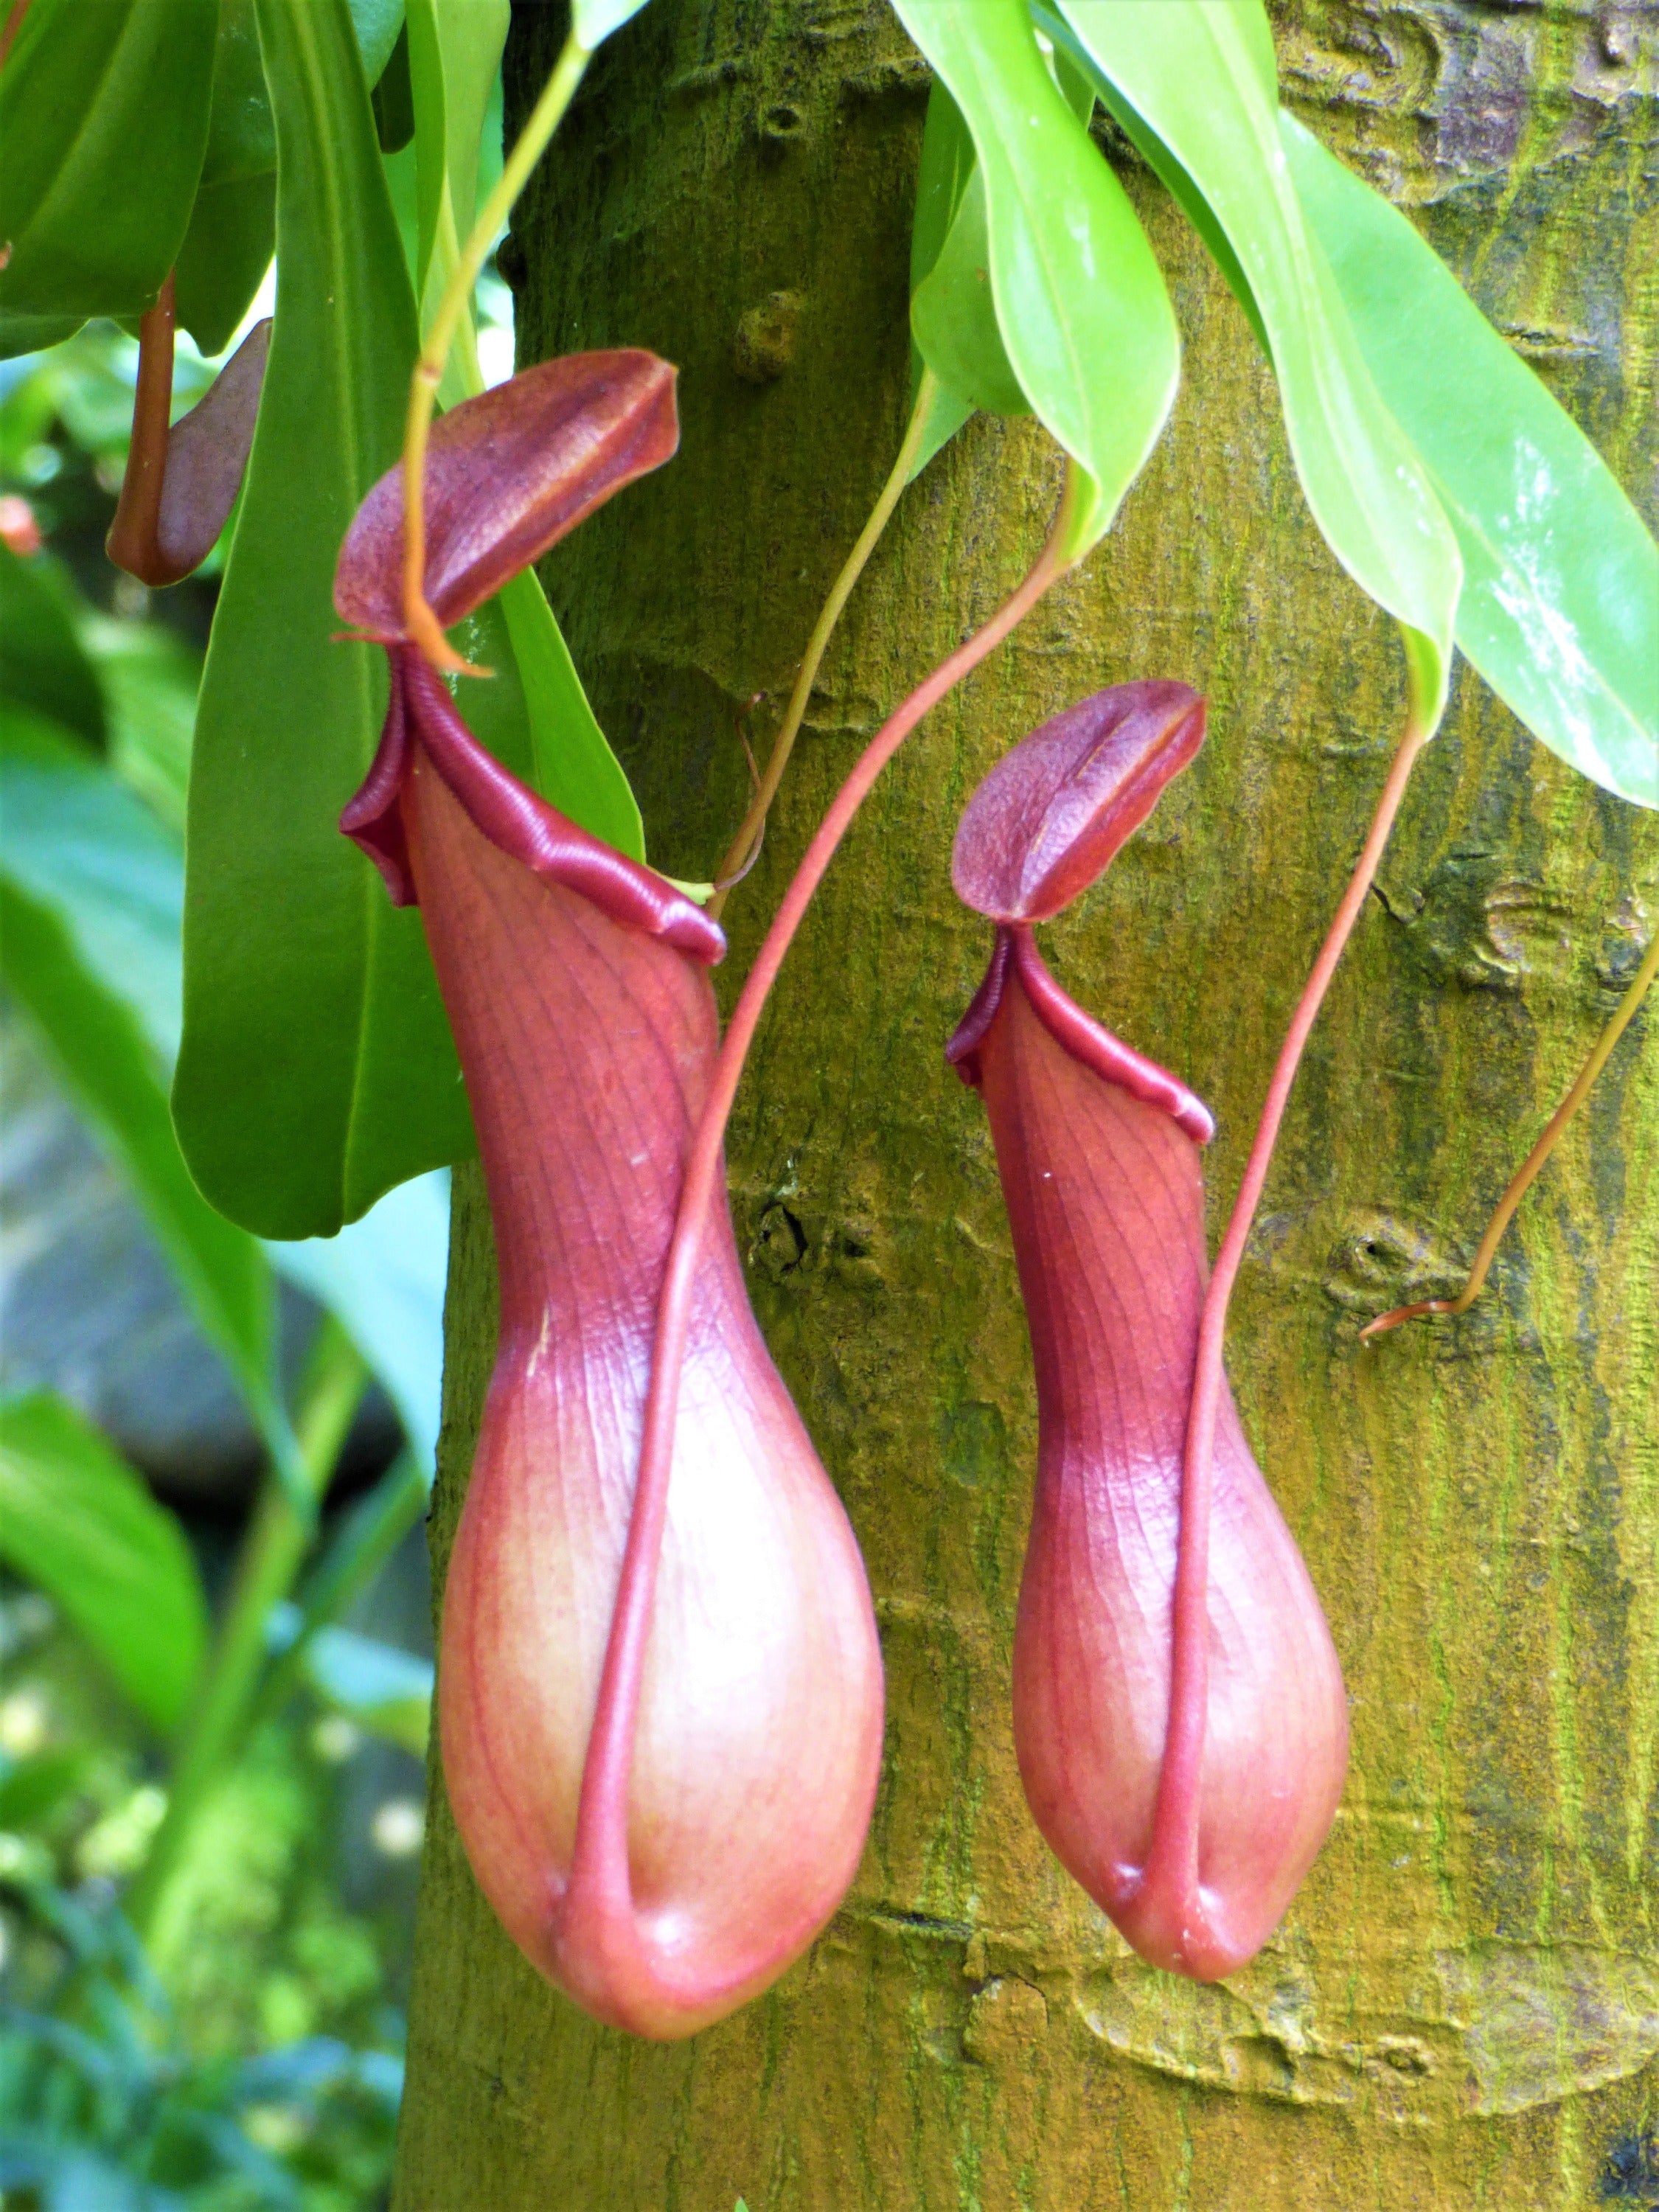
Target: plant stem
275	1544
420	623
1172	1862
743	845
601	1846
1527	1172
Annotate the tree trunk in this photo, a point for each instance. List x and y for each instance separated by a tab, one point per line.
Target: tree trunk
1463	2008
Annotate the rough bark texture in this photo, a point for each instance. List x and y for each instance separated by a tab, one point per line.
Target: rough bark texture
1463	2008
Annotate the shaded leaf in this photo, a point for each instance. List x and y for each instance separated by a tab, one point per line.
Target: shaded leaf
42	666
103	119
1560	605
1197	75
383	1688
223	260
316	1070
79	1522
947	162
1080	303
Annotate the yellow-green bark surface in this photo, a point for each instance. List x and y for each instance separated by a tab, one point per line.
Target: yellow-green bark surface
1462	2009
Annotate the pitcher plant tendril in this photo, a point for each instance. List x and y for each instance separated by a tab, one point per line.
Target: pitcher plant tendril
1173	1868
744	849
420	622
1528	1173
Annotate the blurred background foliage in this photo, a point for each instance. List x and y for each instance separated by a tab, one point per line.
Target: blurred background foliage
215	1634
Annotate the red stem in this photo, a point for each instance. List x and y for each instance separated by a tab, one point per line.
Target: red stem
598	1885
1172	1862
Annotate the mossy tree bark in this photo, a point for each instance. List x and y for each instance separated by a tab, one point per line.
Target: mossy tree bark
1463	2007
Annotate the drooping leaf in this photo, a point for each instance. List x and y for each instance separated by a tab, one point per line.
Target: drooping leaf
1157	156
1198	76
1080	303
1560	605
952	313
104	120
90	895
316	1070
947	162
79	1524
43	668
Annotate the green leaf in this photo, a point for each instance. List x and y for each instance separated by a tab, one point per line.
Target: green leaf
1084	318
42	667
317	1069
1152	150
103	119
591	22
79	1524
1560	605
89	898
241	137
150	679
226	252
1198	76
534	715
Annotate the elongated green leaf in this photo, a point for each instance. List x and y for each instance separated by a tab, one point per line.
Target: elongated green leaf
317	1069
947	162
42	666
534	715
78	1522
1080	303
1198	76
1157	156
224	254
103	119
1560	605
89	892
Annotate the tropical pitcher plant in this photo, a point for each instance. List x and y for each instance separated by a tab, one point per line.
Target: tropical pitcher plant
661	1701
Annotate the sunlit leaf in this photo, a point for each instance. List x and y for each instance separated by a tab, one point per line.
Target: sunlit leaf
104	120
316	1070
1197	75
77	1521
1560	606
1081	305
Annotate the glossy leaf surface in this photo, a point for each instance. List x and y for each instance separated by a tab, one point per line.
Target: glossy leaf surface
1080	303
80	1523
1560	605
1197	75
316	1070
104	120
